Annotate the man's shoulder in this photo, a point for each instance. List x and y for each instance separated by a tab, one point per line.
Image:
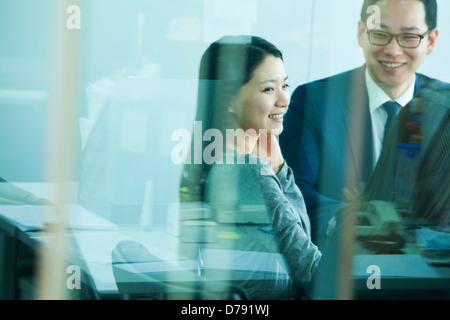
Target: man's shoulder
435	94
346	76
336	84
432	83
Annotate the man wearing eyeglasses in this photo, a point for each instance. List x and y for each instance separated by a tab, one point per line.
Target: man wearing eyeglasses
335	127
10	194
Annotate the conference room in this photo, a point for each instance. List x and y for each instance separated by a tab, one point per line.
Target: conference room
116	177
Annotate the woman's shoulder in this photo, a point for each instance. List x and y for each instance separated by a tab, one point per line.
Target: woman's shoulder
238	179
236	163
246	161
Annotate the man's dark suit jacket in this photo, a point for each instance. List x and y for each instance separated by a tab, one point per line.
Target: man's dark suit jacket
327	140
428	114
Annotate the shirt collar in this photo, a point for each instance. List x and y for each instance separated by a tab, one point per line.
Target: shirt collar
378	97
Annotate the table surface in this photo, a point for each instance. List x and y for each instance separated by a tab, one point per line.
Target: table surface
93	249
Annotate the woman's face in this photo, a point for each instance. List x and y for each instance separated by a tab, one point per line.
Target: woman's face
262	102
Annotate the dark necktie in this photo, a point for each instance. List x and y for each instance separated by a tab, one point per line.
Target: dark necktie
391	108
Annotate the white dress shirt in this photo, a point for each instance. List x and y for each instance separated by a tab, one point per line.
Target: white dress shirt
377	97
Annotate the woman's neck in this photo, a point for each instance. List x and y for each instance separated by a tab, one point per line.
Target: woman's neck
245	141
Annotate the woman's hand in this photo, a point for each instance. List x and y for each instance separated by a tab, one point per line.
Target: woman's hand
268	148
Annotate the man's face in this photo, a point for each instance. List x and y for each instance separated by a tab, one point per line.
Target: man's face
392	66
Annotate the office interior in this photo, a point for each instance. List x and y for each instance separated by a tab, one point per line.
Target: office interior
89	109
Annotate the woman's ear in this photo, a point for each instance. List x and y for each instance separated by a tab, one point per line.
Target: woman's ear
232	105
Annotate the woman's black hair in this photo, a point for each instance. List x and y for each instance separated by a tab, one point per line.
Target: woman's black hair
226	66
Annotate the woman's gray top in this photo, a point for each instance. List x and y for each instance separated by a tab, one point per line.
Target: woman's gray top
247	180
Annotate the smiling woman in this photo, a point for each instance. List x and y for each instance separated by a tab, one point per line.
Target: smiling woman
255	110
244	89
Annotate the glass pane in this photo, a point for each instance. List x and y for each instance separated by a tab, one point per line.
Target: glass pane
103	114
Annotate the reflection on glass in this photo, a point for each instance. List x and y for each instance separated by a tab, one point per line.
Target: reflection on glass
127	227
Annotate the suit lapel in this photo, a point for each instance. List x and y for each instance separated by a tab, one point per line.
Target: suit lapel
358	122
419	86
434	106
435	112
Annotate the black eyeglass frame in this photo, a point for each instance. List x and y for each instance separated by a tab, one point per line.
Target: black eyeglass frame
397	36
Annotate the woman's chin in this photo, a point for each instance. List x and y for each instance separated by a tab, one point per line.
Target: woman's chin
275	131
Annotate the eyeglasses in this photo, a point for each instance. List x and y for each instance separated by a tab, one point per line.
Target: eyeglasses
405	40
